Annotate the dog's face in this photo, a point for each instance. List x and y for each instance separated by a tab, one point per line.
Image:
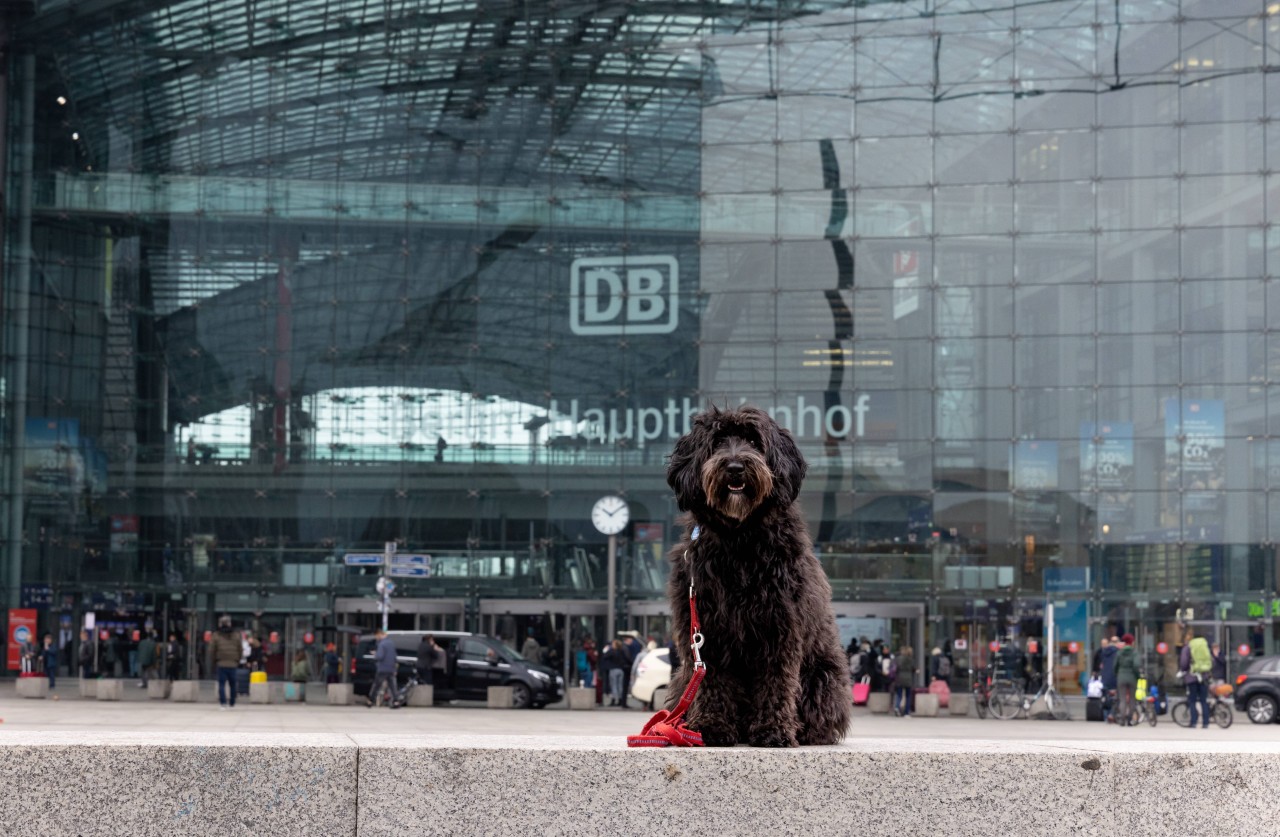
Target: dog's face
733	462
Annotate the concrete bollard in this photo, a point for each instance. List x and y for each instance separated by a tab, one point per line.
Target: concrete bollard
185	691
422	695
959	704
33	687
88	687
926	705
501	697
110	689
582	698
266	692
341	694
878	703
157	689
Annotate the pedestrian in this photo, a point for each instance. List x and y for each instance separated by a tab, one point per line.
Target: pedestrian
109	656
173	658
1218	675
532	649
300	673
939	667
582	661
1127	674
631	651
611	671
426	662
1107	673
85	655
1195	664
331	663
1096	668
904	678
228	652
49	658
147	658
385	670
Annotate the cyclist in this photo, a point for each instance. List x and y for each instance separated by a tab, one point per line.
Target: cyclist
1196	664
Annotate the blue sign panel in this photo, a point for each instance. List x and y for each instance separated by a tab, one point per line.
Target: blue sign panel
1066	580
357	559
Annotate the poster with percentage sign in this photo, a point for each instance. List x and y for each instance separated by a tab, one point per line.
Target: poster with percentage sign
1106	474
1195	460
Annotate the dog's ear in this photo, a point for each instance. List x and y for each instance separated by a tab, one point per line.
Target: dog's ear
684	467
785	460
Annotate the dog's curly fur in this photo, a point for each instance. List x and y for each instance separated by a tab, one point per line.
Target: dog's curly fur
776	674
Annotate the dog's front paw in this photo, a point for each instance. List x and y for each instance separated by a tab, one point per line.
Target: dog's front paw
716	736
771	736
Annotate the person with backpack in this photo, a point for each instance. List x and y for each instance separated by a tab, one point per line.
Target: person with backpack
939	667
1195	664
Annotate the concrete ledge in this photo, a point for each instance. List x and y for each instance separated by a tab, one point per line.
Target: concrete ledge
926	706
422	695
879	703
1068	788
157	689
959	704
365	784
501	697
110	689
178	784
266	692
33	687
185	691
88	687
582	698
341	694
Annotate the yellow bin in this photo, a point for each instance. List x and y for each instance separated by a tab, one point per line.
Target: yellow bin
257	677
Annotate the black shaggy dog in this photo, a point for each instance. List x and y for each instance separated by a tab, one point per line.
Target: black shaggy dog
776	674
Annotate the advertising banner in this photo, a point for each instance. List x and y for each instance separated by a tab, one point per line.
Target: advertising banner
1195	459
1106	472
1035	466
22	628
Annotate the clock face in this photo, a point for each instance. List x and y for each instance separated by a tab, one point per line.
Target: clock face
610	515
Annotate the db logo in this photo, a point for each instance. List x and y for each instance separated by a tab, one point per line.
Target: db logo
624	295
21	634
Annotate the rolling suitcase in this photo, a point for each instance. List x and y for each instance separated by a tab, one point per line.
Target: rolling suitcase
242	681
1093	709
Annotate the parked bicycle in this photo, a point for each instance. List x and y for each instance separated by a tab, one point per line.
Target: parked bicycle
1219	710
1010	701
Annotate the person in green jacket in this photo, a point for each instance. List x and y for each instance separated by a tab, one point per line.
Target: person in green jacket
1127	674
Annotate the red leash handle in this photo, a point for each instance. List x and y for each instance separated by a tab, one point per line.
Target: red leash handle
665	728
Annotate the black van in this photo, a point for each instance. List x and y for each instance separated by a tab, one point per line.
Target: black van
473	663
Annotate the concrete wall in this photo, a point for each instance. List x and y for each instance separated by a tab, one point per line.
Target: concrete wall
171	784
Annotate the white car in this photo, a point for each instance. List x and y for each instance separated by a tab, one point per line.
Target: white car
650	678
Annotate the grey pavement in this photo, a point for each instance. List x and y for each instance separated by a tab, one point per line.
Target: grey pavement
136	714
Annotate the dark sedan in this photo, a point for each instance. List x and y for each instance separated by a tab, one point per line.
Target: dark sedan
1258	690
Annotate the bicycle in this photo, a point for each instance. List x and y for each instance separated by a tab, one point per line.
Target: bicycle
1143	710
1219	710
981	679
1012	702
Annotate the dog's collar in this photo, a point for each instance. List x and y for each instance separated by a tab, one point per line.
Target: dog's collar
697	530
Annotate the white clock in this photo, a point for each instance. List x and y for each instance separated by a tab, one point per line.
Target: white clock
610	514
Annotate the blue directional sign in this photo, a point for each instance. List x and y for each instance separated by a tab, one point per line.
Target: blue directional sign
362	559
411	560
410	571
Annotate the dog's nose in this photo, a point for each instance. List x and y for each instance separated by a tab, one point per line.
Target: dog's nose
735	468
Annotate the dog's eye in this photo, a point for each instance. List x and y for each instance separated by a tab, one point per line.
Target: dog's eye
755	444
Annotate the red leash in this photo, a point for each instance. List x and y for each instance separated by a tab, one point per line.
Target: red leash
667	729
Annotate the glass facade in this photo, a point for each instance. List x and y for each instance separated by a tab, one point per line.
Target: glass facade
285	281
